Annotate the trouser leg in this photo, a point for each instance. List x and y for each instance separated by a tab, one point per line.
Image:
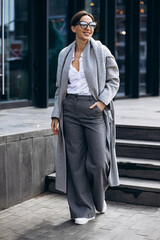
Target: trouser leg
97	164
85	140
79	193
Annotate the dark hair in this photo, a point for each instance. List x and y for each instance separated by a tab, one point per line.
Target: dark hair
76	17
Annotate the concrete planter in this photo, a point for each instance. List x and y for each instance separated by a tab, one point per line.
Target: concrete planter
25	160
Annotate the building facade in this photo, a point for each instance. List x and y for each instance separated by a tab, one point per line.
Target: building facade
32	32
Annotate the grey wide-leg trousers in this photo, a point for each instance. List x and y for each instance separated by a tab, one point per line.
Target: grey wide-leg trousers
87	155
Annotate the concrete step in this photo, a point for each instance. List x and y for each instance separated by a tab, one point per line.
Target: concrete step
138	132
138	149
50	183
131	190
136	191
139	168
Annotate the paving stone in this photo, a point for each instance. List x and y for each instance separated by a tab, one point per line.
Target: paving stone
129	235
8	219
99	234
5	214
35	207
21	212
33	234
154	235
12	236
29	216
5	232
121	221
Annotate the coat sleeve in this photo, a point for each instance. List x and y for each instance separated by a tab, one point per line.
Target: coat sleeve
112	81
56	109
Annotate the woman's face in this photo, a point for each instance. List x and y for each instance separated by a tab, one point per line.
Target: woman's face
83	34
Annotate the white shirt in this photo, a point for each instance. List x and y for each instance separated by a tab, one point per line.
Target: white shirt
77	81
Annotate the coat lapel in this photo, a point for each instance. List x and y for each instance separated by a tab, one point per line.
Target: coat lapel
65	71
90	69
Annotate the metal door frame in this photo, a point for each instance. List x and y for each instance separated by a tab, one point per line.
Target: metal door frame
2	26
17	103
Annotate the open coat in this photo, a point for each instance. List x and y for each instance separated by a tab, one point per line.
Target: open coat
102	74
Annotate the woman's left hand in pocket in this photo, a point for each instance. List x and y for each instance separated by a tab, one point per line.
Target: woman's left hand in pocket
99	104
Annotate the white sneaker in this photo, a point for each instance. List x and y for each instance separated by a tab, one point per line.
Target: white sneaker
81	221
104	207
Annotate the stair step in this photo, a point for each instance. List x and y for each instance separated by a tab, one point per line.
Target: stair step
130	190
52	176
135	191
138	142
140	184
138	149
139	161
50	183
139	168
147	184
138	132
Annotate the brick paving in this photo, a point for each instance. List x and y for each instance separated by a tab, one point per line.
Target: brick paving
47	217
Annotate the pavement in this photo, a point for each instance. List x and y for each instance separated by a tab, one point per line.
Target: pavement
142	112
47	217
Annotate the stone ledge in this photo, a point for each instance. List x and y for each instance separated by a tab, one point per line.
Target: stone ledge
25	135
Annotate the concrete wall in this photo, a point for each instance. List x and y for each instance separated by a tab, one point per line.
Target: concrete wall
25	160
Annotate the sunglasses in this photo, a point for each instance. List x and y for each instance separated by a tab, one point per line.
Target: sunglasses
84	25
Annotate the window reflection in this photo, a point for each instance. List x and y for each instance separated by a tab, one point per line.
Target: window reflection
57	38
143	46
120	42
93	7
16	50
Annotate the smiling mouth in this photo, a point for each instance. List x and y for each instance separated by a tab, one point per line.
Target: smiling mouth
87	33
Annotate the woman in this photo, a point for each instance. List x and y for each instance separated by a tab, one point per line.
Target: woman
83	119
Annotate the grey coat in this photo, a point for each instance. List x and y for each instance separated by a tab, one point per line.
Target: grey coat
102	75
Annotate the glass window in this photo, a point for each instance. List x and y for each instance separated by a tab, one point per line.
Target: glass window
143	46
120	42
58	37
93	7
16	50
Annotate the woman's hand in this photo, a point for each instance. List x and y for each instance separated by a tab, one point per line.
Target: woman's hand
54	126
99	104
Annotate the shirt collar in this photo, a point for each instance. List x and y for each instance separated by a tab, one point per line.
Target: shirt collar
73	55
